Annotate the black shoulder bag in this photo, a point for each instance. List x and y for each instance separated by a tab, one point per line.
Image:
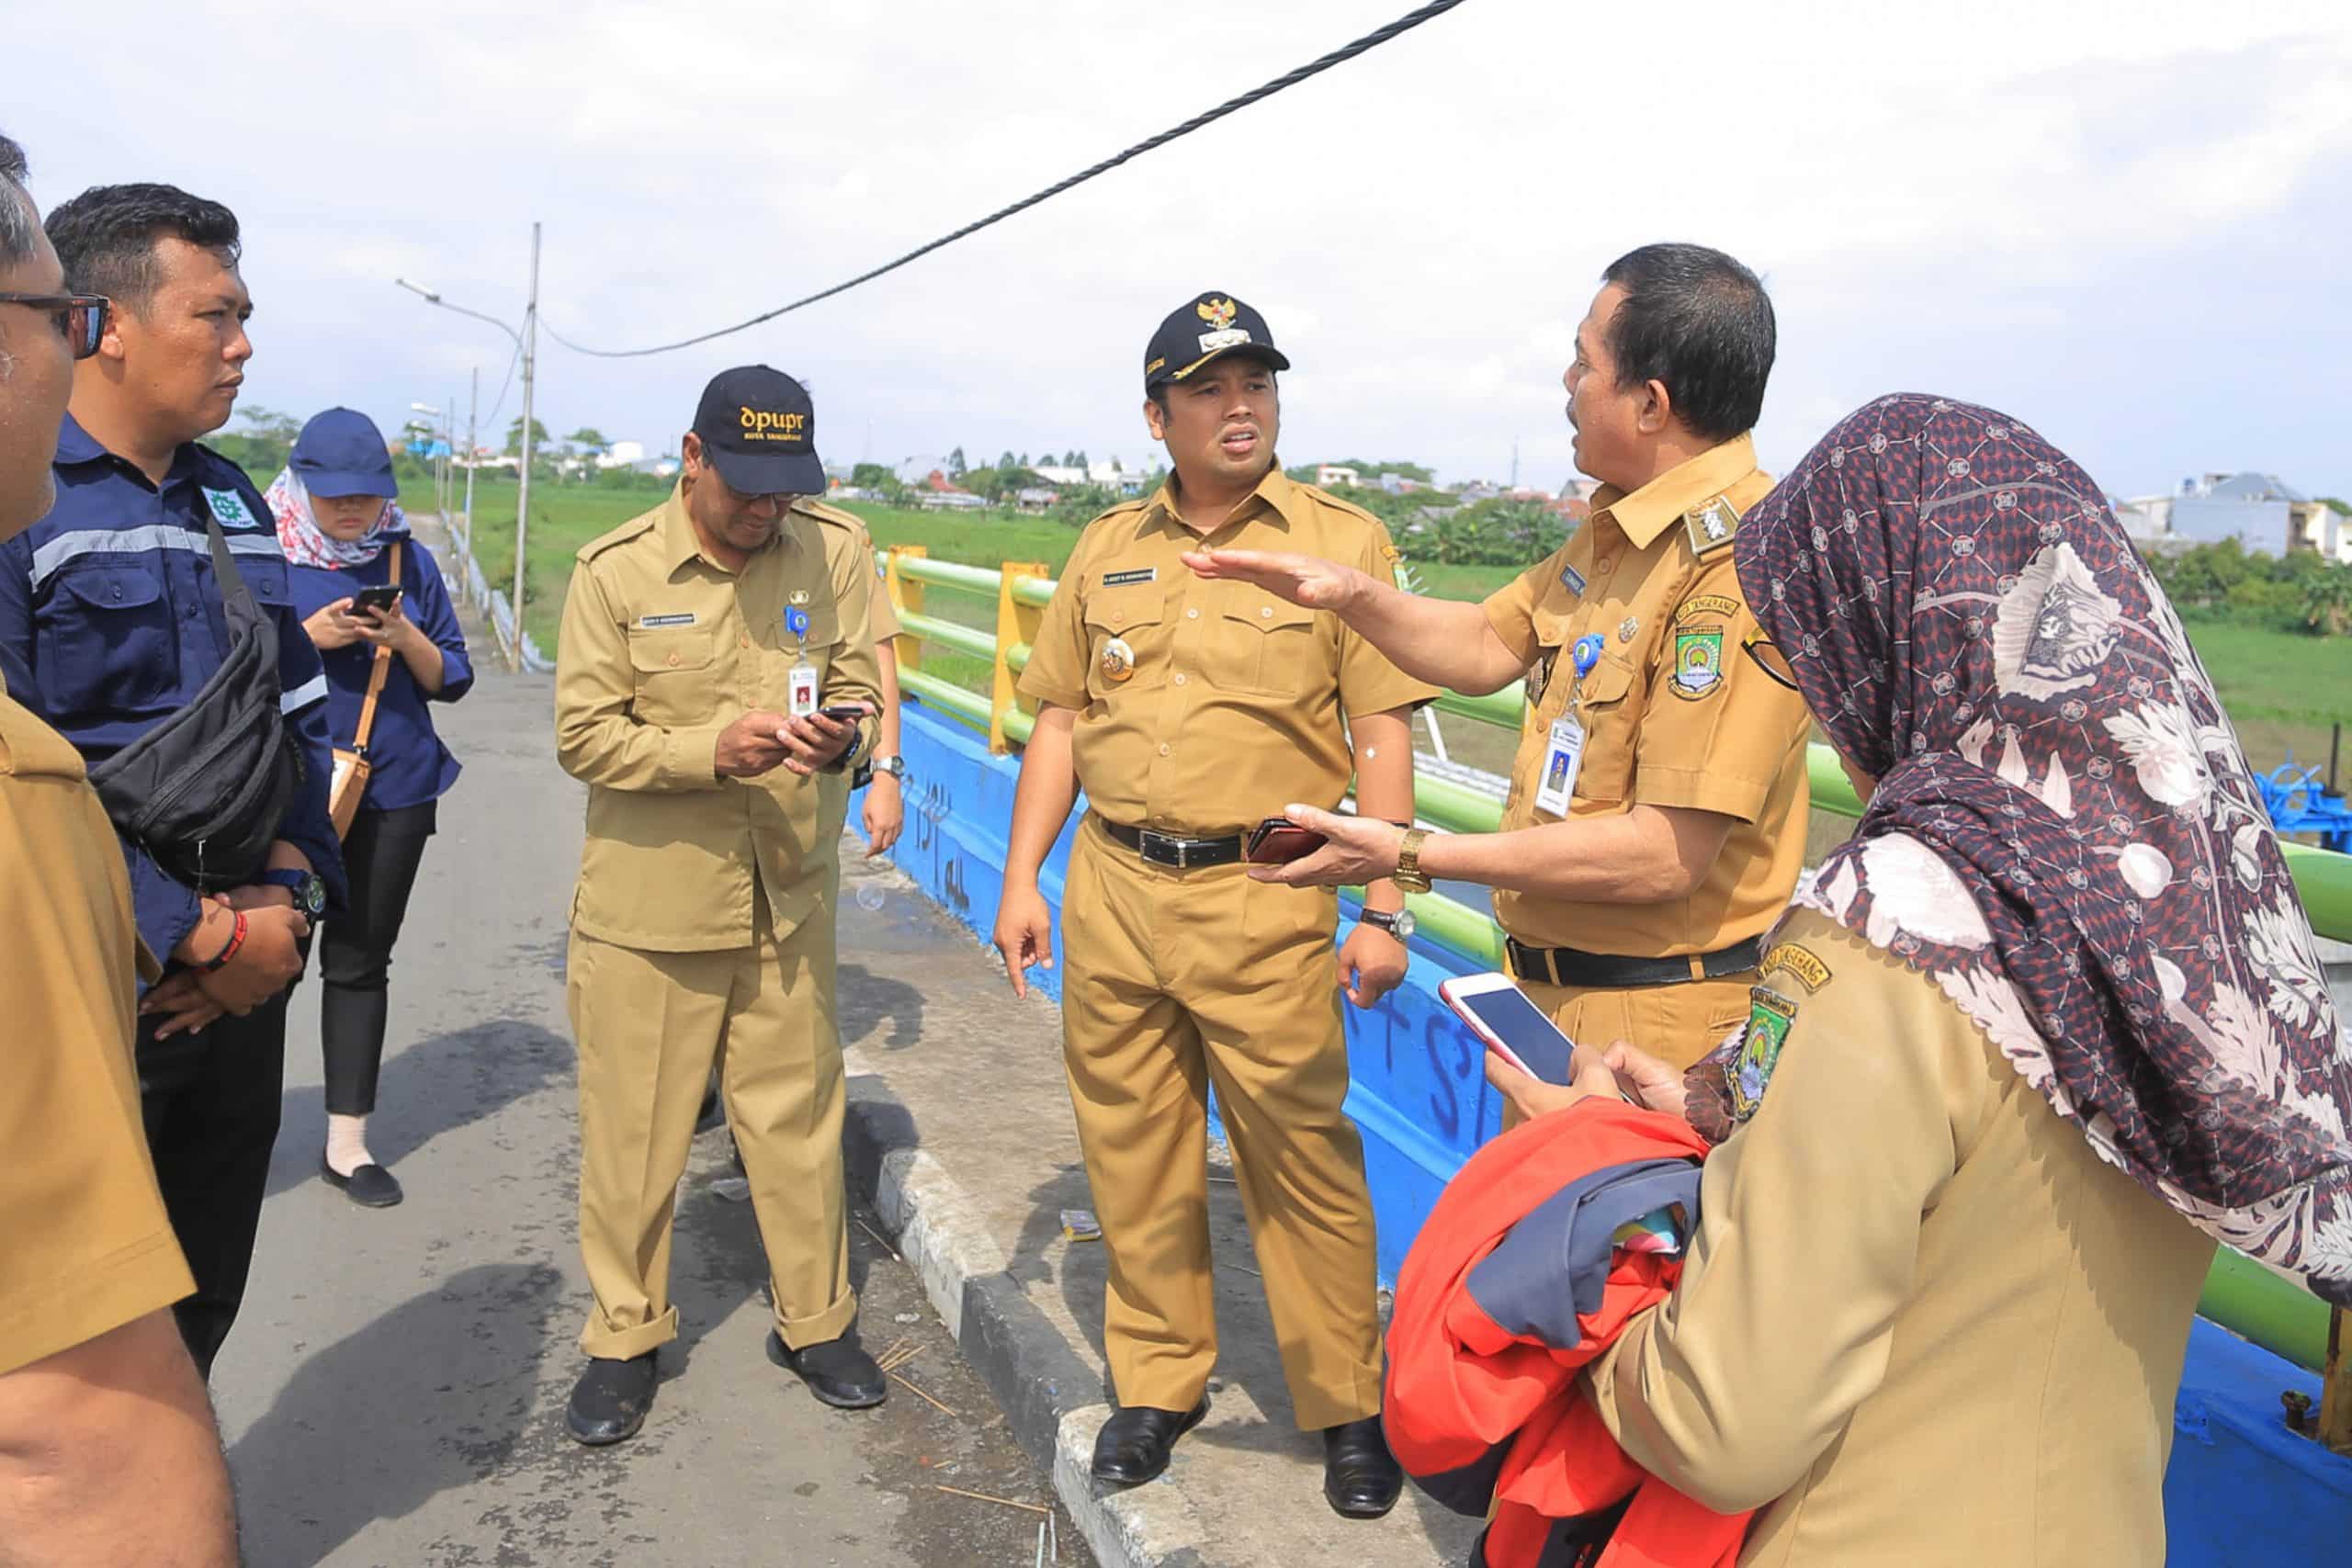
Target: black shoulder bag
204	792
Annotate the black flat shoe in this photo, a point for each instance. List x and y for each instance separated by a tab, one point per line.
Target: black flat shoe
1360	1478
369	1186
1133	1444
610	1401
838	1372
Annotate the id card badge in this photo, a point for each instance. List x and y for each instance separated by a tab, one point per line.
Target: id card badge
1562	756
803	691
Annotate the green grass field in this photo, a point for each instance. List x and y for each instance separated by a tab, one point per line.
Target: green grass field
2281	690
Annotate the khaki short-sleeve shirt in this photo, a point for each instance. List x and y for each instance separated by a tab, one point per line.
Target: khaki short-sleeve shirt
661	649
1681	708
1205	706
880	618
86	1245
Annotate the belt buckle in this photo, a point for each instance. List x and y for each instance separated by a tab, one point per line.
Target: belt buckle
1160	848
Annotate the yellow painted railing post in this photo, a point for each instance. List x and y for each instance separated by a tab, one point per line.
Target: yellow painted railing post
1016	626
905	593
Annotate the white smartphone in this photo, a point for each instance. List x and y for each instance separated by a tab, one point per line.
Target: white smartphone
1512	1026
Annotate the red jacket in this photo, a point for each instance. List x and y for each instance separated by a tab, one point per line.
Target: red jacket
1480	1411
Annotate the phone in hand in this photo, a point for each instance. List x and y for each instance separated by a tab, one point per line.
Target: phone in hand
1278	841
1512	1026
376	601
844	713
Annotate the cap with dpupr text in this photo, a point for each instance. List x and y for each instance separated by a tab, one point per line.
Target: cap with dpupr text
759	430
1210	326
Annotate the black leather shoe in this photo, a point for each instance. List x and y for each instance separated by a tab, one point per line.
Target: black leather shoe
710	1116
369	1186
610	1401
1360	1478
1133	1444
838	1372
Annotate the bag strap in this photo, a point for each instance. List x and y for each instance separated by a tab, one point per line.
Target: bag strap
236	599
383	666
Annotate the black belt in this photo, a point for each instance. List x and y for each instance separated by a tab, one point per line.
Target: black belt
1568	966
1174	851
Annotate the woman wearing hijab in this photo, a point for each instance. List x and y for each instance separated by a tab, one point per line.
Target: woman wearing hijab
2044	1029
344	533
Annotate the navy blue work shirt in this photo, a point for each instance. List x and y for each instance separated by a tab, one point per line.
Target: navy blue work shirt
110	622
407	763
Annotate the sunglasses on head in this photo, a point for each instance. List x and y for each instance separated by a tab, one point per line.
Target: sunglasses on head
81	317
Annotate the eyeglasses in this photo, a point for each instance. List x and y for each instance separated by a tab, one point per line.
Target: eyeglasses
81	317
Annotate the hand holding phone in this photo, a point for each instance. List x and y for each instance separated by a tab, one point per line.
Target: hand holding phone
844	713
1278	841
1512	1026
379	600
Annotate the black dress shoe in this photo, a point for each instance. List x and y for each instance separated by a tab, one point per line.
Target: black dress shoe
1360	1477
610	1401
369	1186
1134	1443
838	1372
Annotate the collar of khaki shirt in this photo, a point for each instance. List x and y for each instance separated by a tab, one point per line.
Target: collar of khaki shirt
681	543
1275	496
1647	512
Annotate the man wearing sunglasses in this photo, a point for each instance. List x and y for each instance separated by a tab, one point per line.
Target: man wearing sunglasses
111	621
108	1449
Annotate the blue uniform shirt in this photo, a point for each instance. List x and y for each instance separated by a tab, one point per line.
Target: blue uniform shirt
408	764
110	622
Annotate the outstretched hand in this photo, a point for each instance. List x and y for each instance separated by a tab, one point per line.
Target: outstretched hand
1357	850
1302	580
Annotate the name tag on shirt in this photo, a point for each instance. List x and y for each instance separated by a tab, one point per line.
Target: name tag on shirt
1563	754
1572	580
1123	578
683	619
231	509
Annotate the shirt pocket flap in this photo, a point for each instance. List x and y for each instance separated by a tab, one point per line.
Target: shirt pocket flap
111	587
1608	681
663	648
824	625
1120	610
1268	613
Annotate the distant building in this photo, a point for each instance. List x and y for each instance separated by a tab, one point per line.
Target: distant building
1033	499
621	455
2264	515
945	500
1329	474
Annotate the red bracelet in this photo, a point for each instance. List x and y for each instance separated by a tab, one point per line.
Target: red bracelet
236	941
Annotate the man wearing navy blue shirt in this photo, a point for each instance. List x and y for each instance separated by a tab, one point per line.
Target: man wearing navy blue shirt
110	621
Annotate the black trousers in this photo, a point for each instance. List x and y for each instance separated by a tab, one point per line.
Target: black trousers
210	1099
379	857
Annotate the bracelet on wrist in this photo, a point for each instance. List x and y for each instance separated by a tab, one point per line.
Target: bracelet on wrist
236	941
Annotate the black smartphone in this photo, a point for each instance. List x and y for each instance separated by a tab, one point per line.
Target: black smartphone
376	601
843	713
1278	841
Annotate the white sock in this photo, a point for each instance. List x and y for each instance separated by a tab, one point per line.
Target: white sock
348	1143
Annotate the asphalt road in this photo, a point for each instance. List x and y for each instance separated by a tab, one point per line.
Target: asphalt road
394	1392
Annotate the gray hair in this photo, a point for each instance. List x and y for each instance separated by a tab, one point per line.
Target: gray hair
18	221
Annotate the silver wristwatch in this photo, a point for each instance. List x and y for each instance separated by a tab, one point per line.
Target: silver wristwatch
1399	924
894	765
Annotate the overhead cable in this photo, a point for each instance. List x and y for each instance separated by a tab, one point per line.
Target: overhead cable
1370	41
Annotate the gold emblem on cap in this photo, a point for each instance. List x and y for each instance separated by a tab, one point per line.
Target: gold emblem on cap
1217	313
1118	660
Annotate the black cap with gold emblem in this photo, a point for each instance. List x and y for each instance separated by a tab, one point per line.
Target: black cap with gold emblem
1209	327
759	430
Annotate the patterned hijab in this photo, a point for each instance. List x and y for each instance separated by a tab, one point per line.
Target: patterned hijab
2066	835
307	543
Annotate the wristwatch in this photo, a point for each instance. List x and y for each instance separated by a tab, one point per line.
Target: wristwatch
894	765
1409	875
1398	923
310	891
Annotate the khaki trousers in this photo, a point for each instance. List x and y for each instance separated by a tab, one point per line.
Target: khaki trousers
1174	981
650	1026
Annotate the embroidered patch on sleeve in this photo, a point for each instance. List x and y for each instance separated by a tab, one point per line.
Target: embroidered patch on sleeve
1698	662
1768	1017
1800	962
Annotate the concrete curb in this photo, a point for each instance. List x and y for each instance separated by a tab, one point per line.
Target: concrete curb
1052	1400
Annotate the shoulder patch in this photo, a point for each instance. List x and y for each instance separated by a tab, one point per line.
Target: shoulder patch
1800	962
231	510
1698	662
1710	526
1708	605
1769	1016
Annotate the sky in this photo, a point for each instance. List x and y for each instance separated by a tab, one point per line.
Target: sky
2126	224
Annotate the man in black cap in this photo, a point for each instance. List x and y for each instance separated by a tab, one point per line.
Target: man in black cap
715	681
1189	710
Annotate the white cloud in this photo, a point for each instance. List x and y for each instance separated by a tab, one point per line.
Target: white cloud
2121	218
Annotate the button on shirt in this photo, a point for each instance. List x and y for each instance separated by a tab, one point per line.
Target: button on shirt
88	1245
1204	707
1677	710
661	649
110	622
408	765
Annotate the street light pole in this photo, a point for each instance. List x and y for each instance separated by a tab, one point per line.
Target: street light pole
523	489
473	447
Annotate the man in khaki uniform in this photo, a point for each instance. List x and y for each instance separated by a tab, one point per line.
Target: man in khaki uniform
699	643
1655	821
1189	711
107	1447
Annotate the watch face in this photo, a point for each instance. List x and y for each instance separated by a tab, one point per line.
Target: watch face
312	894
1403	925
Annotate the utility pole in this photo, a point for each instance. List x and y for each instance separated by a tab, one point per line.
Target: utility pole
523	489
473	445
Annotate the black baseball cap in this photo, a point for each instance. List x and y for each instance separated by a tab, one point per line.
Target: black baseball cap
1211	325
759	430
